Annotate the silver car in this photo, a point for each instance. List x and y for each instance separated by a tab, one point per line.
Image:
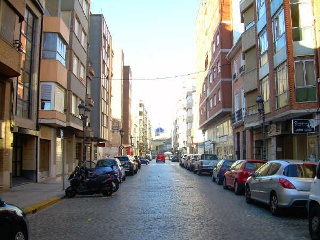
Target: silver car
281	184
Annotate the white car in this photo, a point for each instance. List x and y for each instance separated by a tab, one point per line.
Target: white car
314	206
281	184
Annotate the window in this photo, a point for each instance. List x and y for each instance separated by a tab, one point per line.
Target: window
52	97
24	88
236	101
261	8
77	27
215	100
218	39
74	105
213	47
263	48
265	93
54	48
210	103
219	66
75	66
305	80
279	36
219	95
214	73
281	77
210	77
301	22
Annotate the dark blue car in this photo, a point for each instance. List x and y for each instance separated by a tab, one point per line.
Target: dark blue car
221	168
108	165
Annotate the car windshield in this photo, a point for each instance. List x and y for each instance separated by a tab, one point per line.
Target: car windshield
123	159
105	163
300	170
253	165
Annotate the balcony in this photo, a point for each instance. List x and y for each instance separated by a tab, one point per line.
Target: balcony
250	81
10	59
248	39
52	118
245	4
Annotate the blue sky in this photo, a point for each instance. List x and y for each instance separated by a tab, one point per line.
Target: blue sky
158	40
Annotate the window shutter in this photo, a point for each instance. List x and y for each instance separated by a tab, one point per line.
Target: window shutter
46	90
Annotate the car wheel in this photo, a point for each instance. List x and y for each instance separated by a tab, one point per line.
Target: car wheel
224	183
314	223
70	192
274	208
248	195
237	190
124	178
19	234
199	172
213	178
218	181
107	193
132	172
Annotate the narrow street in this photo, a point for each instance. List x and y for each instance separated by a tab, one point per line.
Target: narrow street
164	201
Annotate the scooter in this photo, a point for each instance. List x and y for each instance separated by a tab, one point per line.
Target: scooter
81	183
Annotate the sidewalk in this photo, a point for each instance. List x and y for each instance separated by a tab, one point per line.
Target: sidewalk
32	197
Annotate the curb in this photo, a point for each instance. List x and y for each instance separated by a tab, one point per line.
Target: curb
37	207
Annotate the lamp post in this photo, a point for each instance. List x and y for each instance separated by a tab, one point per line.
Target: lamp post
121	137
204	142
260	103
83	110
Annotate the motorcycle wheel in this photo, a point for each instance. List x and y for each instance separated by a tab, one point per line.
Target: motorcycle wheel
115	186
70	192
107	193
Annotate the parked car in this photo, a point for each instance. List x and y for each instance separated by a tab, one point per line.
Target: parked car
206	163
238	174
219	170
108	165
161	158
182	159
314	207
175	158
193	161
281	184
13	222
144	161
130	166
137	160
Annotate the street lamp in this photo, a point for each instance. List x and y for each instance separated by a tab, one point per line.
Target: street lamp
121	137
131	137
204	143
260	103
83	110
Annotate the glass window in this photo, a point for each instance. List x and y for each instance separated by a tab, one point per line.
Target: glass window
75	65
54	48
23	107
279	36
261	8
300	170
265	93
218	39
263	48
305	80
274	167
46	96
59	99
263	170
301	22
282	86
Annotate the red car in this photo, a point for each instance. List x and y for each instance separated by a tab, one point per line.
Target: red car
161	158
236	177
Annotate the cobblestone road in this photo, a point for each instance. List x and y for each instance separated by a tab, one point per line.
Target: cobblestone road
165	201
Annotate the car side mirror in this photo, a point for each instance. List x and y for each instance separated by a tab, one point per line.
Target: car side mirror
254	175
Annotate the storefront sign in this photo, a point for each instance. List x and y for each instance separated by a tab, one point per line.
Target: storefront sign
303	126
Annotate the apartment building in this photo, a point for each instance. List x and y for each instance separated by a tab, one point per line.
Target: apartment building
20	36
101	57
126	105
215	103
284	74
240	134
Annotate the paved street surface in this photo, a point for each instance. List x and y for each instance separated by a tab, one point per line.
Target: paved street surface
165	201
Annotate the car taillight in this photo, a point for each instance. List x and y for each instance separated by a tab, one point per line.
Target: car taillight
286	183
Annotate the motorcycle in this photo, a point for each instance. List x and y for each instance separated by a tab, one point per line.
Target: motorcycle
84	183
